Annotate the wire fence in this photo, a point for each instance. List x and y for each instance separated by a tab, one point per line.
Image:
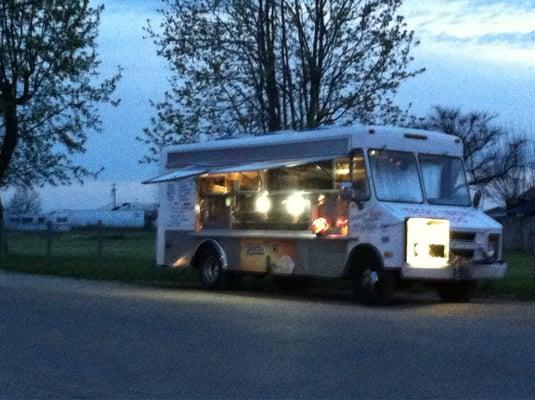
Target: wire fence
94	250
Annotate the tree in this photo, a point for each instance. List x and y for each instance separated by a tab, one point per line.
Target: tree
497	160
510	187
25	200
49	89
264	65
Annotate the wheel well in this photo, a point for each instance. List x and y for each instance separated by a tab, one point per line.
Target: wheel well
206	247
359	253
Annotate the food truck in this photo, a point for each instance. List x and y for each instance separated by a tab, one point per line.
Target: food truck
377	205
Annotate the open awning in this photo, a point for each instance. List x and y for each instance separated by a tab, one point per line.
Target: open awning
196	169
175	175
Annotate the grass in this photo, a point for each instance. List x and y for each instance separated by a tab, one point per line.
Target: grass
519	282
129	256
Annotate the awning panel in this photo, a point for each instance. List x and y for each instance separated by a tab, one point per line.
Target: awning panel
255	166
196	169
175	175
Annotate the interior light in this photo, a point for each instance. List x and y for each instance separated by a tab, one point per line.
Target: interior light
263	203
320	226
296	204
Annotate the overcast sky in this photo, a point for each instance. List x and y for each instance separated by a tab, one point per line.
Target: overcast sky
479	54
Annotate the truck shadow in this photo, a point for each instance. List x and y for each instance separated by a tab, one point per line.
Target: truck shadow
344	297
321	292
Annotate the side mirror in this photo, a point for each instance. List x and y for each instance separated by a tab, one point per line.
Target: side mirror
478	197
347	193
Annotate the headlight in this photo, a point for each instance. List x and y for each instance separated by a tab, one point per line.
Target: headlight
428	242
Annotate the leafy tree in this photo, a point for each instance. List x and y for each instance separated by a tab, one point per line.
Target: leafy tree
264	65
49	89
25	200
497	160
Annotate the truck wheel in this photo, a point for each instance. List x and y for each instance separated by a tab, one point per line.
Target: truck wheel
456	292
212	274
373	284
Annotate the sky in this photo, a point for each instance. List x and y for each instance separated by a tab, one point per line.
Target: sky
478	54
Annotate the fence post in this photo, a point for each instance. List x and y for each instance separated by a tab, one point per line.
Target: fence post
99	244
49	244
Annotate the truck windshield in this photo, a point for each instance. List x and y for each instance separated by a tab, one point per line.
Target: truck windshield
444	180
395	176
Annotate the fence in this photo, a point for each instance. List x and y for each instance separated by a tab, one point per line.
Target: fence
80	252
519	233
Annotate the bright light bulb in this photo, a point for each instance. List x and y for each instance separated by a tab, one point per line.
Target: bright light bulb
296	204
263	203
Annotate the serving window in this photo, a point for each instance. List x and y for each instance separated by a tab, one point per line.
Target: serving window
298	198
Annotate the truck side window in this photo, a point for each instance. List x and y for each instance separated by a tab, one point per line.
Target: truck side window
360	176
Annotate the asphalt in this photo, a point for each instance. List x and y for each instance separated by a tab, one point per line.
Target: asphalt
62	338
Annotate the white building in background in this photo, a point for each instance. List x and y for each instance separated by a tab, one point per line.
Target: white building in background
67	219
26	222
64	220
113	215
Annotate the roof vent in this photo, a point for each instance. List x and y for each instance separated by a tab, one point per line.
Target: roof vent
371	131
415	136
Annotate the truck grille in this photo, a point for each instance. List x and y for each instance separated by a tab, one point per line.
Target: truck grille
462	245
463	236
464	253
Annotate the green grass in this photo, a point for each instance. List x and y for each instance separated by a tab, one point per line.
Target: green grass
519	282
129	256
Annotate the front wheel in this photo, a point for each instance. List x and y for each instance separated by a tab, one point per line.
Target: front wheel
213	275
373	284
456	292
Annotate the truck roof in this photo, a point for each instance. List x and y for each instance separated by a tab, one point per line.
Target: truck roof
320	142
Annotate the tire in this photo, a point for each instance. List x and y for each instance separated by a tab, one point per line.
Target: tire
372	283
456	292
212	274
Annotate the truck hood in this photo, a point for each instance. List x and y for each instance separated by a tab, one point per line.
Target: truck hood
461	218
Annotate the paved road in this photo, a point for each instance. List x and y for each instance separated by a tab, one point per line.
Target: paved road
74	339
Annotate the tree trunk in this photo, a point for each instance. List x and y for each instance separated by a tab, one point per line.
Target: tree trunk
267	39
11	131
4	248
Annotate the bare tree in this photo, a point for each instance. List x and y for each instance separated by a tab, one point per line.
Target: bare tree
264	65
25	200
495	157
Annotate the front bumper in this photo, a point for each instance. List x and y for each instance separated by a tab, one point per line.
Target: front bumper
472	271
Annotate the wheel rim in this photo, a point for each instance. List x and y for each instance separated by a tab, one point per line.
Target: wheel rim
369	280
211	269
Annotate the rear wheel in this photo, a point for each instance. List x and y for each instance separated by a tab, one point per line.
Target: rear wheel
213	275
373	284
456	292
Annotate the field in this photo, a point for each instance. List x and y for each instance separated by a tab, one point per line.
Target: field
129	256
125	256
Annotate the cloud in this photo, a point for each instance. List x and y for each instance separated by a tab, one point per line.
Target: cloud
498	31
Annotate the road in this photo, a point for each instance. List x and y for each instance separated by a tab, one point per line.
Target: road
64	338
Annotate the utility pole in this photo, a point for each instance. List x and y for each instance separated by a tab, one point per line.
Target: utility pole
114	195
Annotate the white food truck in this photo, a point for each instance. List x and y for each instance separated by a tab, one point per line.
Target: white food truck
377	205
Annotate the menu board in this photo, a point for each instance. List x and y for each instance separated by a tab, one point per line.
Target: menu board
181	204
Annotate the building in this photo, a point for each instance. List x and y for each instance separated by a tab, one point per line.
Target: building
25	222
518	221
